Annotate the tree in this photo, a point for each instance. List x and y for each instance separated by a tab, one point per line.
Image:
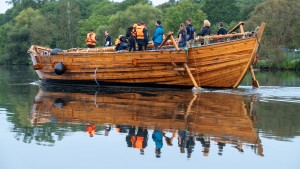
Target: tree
119	22
67	22
221	11
282	24
178	14
17	37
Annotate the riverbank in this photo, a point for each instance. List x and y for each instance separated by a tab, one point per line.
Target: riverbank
293	65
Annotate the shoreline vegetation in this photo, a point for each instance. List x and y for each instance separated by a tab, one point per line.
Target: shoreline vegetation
64	23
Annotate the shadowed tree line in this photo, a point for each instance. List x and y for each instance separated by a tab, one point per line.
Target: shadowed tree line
64	23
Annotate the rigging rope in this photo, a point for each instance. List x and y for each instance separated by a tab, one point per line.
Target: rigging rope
95	76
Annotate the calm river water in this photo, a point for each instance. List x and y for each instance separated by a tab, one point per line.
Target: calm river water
53	127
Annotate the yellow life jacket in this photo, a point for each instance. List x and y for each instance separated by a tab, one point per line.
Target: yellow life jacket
91	39
118	41
139	32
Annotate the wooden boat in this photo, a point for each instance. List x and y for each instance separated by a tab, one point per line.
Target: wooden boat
217	64
225	117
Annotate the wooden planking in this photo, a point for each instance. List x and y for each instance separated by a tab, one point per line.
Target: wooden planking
221	114
211	62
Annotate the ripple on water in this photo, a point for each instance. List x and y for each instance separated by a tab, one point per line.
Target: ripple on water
267	93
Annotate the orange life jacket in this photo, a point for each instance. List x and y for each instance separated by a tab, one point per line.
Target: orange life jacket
91	129
139	31
91	39
137	142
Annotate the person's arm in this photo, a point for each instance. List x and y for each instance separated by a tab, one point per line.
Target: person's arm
179	39
202	32
155	34
146	35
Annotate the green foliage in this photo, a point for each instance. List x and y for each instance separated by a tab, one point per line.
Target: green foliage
128	3
69	13
282	24
65	23
119	22
177	14
246	7
221	11
17	39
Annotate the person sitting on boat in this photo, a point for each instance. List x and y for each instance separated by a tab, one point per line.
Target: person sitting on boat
131	35
107	39
121	43
158	34
142	36
222	30
182	36
91	39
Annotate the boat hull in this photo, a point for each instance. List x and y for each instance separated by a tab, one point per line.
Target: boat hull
215	65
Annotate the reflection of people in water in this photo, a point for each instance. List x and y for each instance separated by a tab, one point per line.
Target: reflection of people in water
122	129
107	129
187	141
190	144
91	129
138	140
205	141
220	147
157	137
181	140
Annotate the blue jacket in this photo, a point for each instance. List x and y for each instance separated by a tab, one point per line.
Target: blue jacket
158	34
157	138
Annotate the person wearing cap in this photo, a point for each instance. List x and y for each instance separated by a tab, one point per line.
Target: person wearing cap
158	34
142	36
91	39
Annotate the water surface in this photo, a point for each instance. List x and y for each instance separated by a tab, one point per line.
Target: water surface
115	127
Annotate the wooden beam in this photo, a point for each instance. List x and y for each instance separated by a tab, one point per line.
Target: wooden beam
236	27
254	81
191	75
166	39
174	42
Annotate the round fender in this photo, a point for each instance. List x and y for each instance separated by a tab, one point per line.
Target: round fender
59	68
59	103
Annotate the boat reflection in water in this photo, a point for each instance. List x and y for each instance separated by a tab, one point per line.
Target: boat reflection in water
172	117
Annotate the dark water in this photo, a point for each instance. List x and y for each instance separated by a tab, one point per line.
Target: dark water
44	126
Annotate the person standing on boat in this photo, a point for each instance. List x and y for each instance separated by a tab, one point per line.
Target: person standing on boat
158	34
182	36
107	39
205	31
131	35
142	36
190	30
222	30
91	39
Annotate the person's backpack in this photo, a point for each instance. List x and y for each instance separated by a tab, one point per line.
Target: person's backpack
191	32
128	33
